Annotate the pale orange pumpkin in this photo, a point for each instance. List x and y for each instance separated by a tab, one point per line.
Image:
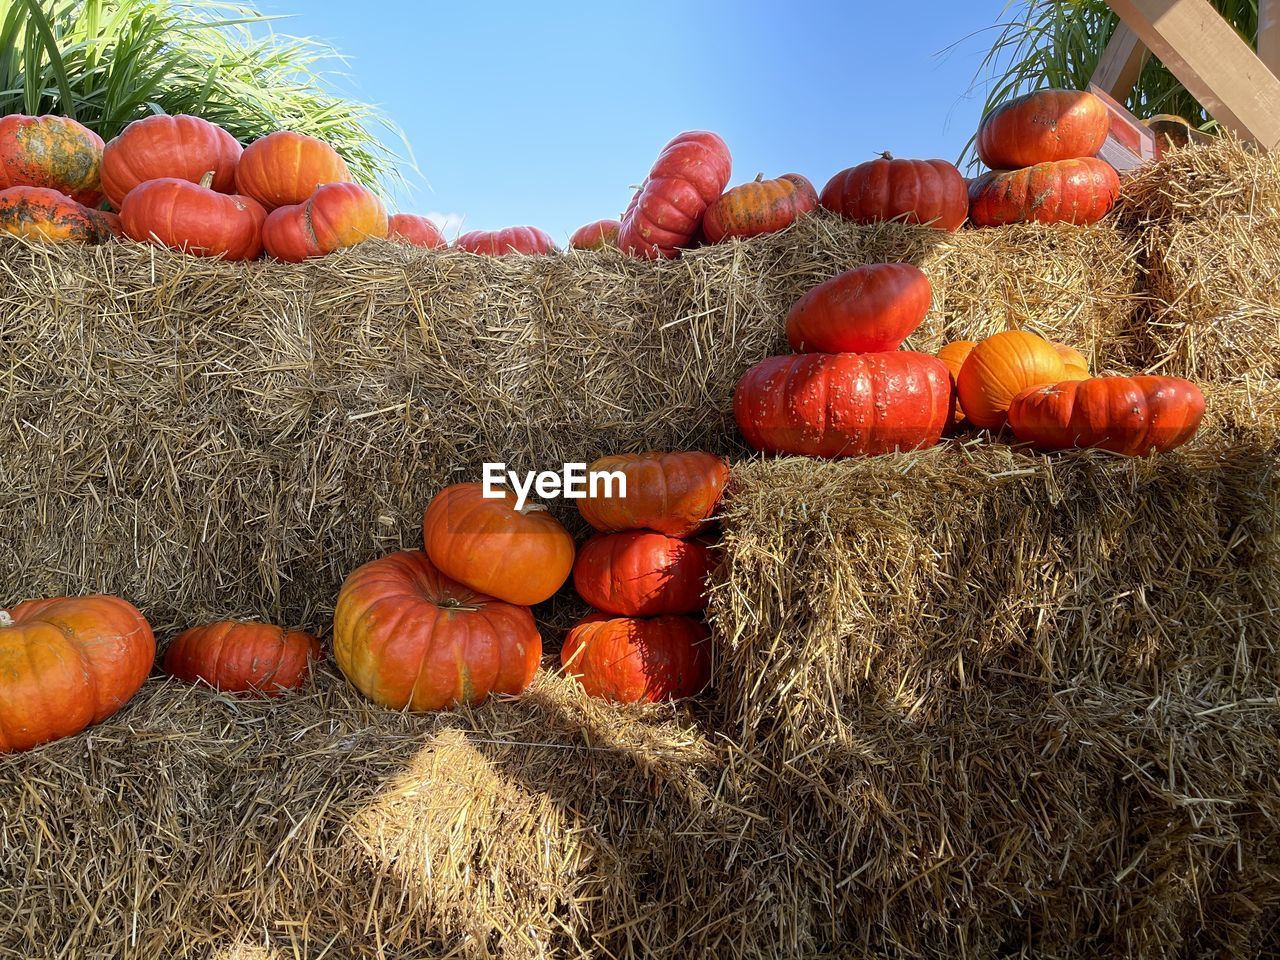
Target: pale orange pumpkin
1001	367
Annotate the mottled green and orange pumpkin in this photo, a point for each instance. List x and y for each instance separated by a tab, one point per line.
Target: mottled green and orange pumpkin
49	216
56	153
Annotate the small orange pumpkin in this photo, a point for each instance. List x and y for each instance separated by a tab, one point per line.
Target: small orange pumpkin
39	213
238	656
412	229
1075	362
640	574
869	309
671	493
1041	127
1001	367
194	219
762	206
600	235
181	147
285	168
337	215
630	660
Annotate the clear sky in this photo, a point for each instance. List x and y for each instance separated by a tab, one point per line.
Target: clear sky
547	113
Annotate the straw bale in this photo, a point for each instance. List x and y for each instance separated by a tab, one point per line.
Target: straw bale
1225	177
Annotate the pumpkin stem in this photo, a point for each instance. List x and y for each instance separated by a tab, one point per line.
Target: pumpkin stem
532	508
759	177
5	619
886	155
207	180
449	603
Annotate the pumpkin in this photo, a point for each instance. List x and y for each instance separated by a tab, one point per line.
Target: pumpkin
406	635
1133	416
640	574
415	230
867	310
638	661
930	192
66	663
1075	362
238	656
671	493
506	242
1066	191
953	356
844	404
337	215
762	206
666	213
1042	127
600	235
1001	367
46	215
56	153
520	556
181	147
193	218
286	168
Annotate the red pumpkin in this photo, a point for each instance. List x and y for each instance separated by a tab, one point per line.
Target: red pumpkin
867	310
521	556
190	217
286	168
66	663
641	574
336	216
844	404
511	240
179	147
762	206
671	493
666	213
238	656
56	153
638	661
930	192
415	230
407	636
953	355
1042	127
1133	416
1001	367
1066	191
600	235
48	216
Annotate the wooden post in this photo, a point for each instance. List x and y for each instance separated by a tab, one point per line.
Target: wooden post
1121	62
1269	34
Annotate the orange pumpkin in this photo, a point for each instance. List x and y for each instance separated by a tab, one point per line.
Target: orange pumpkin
671	493
52	152
1043	126
509	241
1001	367
638	661
520	556
600	235
640	574
181	147
407	636
1066	191
415	230
930	192
762	206
39	213
337	215
953	356
66	663
1075	362
285	168
194	219
238	656
867	310
666	212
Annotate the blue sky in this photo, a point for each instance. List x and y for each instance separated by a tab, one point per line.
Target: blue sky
547	113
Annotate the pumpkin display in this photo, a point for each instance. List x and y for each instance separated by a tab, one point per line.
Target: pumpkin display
285	168
337	215
1064	191
630	660
180	147
844	404
1075	362
1133	416
866	310
507	242
417	231
56	153
1042	127
641	574
238	656
599	235
762	206
671	493
930	192
667	211
1001	367
953	356
520	556
406	635
193	218
66	663
49	216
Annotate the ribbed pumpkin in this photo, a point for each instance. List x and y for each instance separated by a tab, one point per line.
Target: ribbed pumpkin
1001	367
239	656
641	574
638	661
507	242
46	215
953	356
762	206
286	168
1066	191
417	231
336	216
66	663
190	217
671	493
520	556
599	235
181	147
930	192
406	635
56	153
1042	127
666	213
1075	362
844	404
1133	416
866	310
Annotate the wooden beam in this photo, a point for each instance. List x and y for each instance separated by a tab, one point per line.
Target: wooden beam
1269	34
1121	62
1206	54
